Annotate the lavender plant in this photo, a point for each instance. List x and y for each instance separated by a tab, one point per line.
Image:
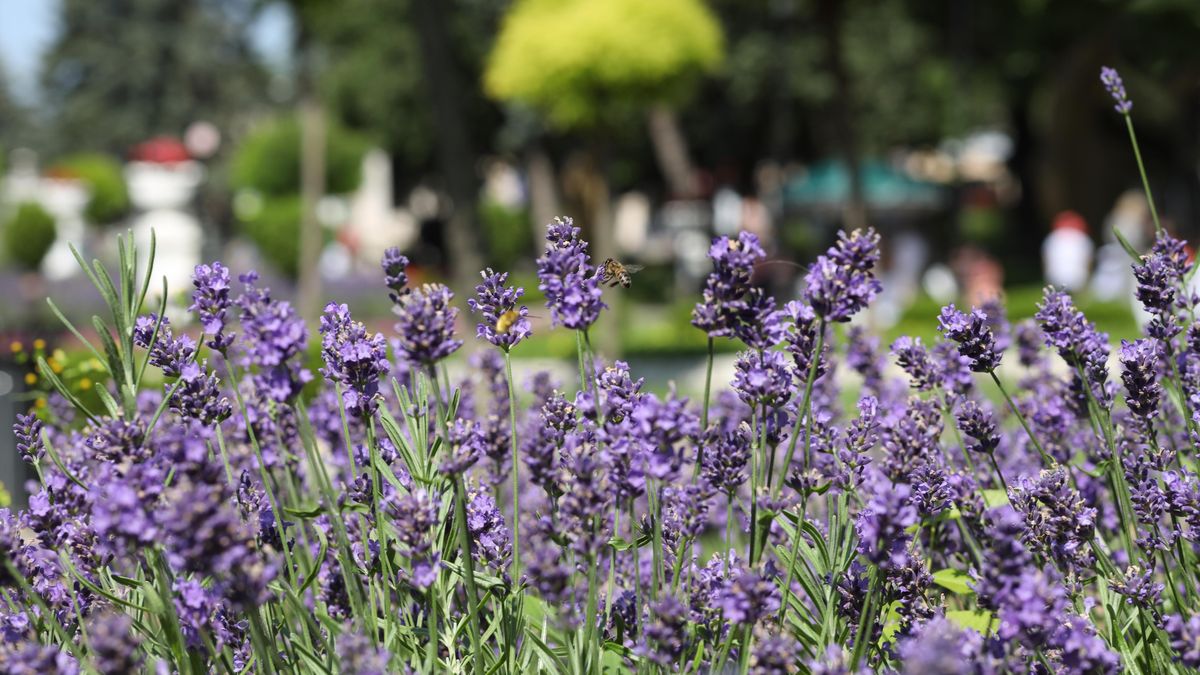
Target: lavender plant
243	517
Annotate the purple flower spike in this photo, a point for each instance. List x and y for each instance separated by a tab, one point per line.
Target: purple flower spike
359	655
466	447
1185	638
210	301
1160	275
973	335
1139	363
977	424
733	264
167	352
492	541
113	646
353	358
568	279
842	282
503	325
28	430
881	526
1116	88
425	329
395	275
762	378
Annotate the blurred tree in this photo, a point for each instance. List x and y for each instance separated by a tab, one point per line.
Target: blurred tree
606	57
109	200
14	120
592	66
274	227
121	71
268	159
406	70
268	162
28	236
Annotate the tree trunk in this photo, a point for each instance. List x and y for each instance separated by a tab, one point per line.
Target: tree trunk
671	151
312	188
855	215
585	184
543	194
455	158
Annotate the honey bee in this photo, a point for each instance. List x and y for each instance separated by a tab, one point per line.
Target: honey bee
506	320
613	272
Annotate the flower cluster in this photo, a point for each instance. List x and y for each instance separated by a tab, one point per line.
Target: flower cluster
842	282
974	337
568	279
247	521
504	324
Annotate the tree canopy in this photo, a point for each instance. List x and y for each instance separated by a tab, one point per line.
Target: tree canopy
573	58
121	71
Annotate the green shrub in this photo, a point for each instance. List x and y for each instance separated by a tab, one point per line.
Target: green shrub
28	235
275	230
508	232
109	200
268	160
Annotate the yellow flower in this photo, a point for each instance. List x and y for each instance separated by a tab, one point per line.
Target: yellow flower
85	383
55	366
41	403
39	344
30	379
16	347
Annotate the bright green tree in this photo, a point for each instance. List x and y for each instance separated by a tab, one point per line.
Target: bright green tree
575	59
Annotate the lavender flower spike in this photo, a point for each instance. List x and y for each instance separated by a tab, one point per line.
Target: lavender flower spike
353	357
210	301
842	282
503	325
425	328
1116	88
1139	361
568	279
973	335
395	275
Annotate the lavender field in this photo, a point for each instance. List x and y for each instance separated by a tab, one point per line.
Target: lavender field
377	516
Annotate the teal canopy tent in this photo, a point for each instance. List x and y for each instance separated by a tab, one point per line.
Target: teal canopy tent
826	185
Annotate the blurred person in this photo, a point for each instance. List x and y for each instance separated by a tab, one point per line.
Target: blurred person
1067	252
727	211
757	220
982	276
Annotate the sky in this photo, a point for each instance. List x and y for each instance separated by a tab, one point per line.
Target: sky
27	27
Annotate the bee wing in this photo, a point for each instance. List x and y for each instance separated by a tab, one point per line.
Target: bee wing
634	268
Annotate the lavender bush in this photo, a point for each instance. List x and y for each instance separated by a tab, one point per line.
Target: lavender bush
388	519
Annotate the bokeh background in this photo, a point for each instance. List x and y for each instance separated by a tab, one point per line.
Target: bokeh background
303	138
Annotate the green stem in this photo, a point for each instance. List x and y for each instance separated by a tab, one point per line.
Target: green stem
999	474
468	563
1021	418
516	490
704	410
866	622
1137	155
953	424
656	507
791	563
803	412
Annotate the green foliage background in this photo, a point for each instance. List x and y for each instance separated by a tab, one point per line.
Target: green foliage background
28	235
